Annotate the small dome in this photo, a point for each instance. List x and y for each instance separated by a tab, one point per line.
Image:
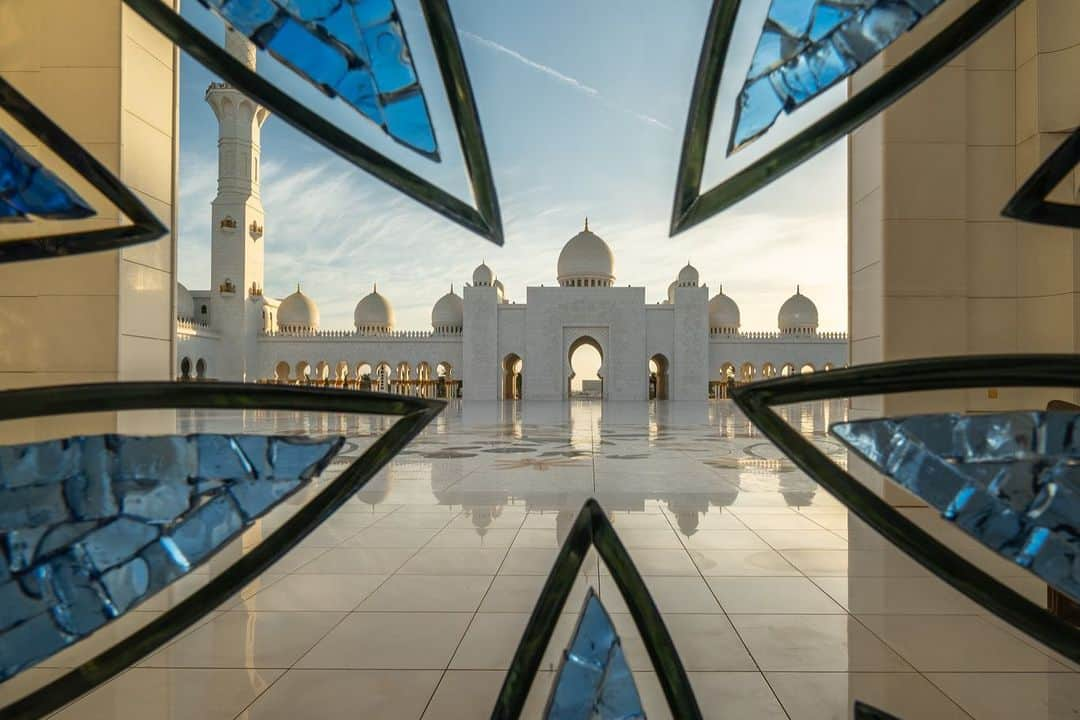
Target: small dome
185	304
373	313
723	312
798	314
671	292
298	312
586	259
501	290
448	313
688	276
483	276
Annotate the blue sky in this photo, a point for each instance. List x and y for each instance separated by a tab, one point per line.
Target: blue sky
583	106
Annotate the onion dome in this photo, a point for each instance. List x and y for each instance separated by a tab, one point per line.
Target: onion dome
723	313
501	290
448	314
688	276
798	314
586	261
185	304
298	312
483	276
373	314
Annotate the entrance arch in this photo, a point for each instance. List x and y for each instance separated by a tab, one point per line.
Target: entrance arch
658	377
512	376
590	353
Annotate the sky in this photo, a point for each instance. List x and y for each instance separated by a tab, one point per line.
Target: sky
583	107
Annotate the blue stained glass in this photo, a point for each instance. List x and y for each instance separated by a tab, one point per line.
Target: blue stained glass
594	679
807	46
353	49
1010	480
92	526
26	188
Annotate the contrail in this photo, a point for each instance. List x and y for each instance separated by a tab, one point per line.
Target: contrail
565	79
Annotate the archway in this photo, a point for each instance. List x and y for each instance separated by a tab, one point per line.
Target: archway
806	369
586	363
200	369
747	372
788	370
303	371
341	372
768	370
827	366
512	377
727	371
185	369
322	370
658	377
381	378
281	372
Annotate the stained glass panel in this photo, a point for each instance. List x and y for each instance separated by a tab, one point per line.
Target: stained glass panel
92	525
27	188
352	49
1010	480
807	46
594	680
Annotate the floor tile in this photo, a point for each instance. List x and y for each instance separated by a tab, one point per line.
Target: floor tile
720	696
461	538
649	538
404	640
520	593
671	595
248	640
730	563
346	695
921	595
422	521
391	537
725	540
854	563
454	561
831	696
821	643
312	592
362	561
957	643
704	642
802	539
434	593
1000	696
172	694
766	595
779	521
492	639
657	561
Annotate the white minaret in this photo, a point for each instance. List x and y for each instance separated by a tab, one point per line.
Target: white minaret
236	260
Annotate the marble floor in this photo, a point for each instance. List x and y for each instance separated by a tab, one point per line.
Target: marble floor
410	601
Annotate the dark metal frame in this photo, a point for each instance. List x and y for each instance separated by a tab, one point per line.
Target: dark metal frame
692	207
1029	203
756	401
415	414
593	529
484	220
144	225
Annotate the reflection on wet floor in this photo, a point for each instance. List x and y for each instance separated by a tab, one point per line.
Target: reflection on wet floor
409	602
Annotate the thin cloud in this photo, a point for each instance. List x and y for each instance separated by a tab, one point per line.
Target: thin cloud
565	79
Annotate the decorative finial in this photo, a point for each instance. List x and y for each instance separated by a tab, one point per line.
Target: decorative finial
721	288
374	287
451	288
796	289
586	223
297	287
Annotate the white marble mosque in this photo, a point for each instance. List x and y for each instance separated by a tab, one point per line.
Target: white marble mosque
481	345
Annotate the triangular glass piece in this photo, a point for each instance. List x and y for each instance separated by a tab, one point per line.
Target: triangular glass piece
94	525
334	60
27	188
1030	202
824	43
762	61
1010	480
55	197
594	680
355	50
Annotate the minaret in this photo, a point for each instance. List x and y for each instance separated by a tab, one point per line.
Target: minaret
236	262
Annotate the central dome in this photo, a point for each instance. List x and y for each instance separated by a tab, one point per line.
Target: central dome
798	314
586	261
448	313
373	314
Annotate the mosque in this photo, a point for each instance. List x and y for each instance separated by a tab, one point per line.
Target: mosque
481	345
